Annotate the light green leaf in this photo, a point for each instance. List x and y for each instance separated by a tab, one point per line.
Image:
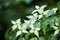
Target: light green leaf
51	21
37	25
32	39
23	38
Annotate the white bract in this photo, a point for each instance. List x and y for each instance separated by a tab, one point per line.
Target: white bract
55	27
54	10
40	16
34	30
33	17
56	24
45	12
56	30
20	32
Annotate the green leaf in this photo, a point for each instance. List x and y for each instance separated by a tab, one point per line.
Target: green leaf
51	21
21	39
28	1
37	25
33	38
52	37
44	25
42	38
58	5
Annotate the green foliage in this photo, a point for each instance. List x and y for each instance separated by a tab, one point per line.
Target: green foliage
41	22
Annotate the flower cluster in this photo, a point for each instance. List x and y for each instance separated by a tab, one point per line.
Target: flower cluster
32	20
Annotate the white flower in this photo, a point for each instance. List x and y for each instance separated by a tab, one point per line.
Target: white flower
34	30
39	9
22	30
16	24
21	27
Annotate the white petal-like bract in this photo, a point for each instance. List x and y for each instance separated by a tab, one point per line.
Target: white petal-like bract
13	22
56	32
36	33
37	7
18	33
14	27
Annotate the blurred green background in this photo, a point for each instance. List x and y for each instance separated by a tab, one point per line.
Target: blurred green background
14	9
